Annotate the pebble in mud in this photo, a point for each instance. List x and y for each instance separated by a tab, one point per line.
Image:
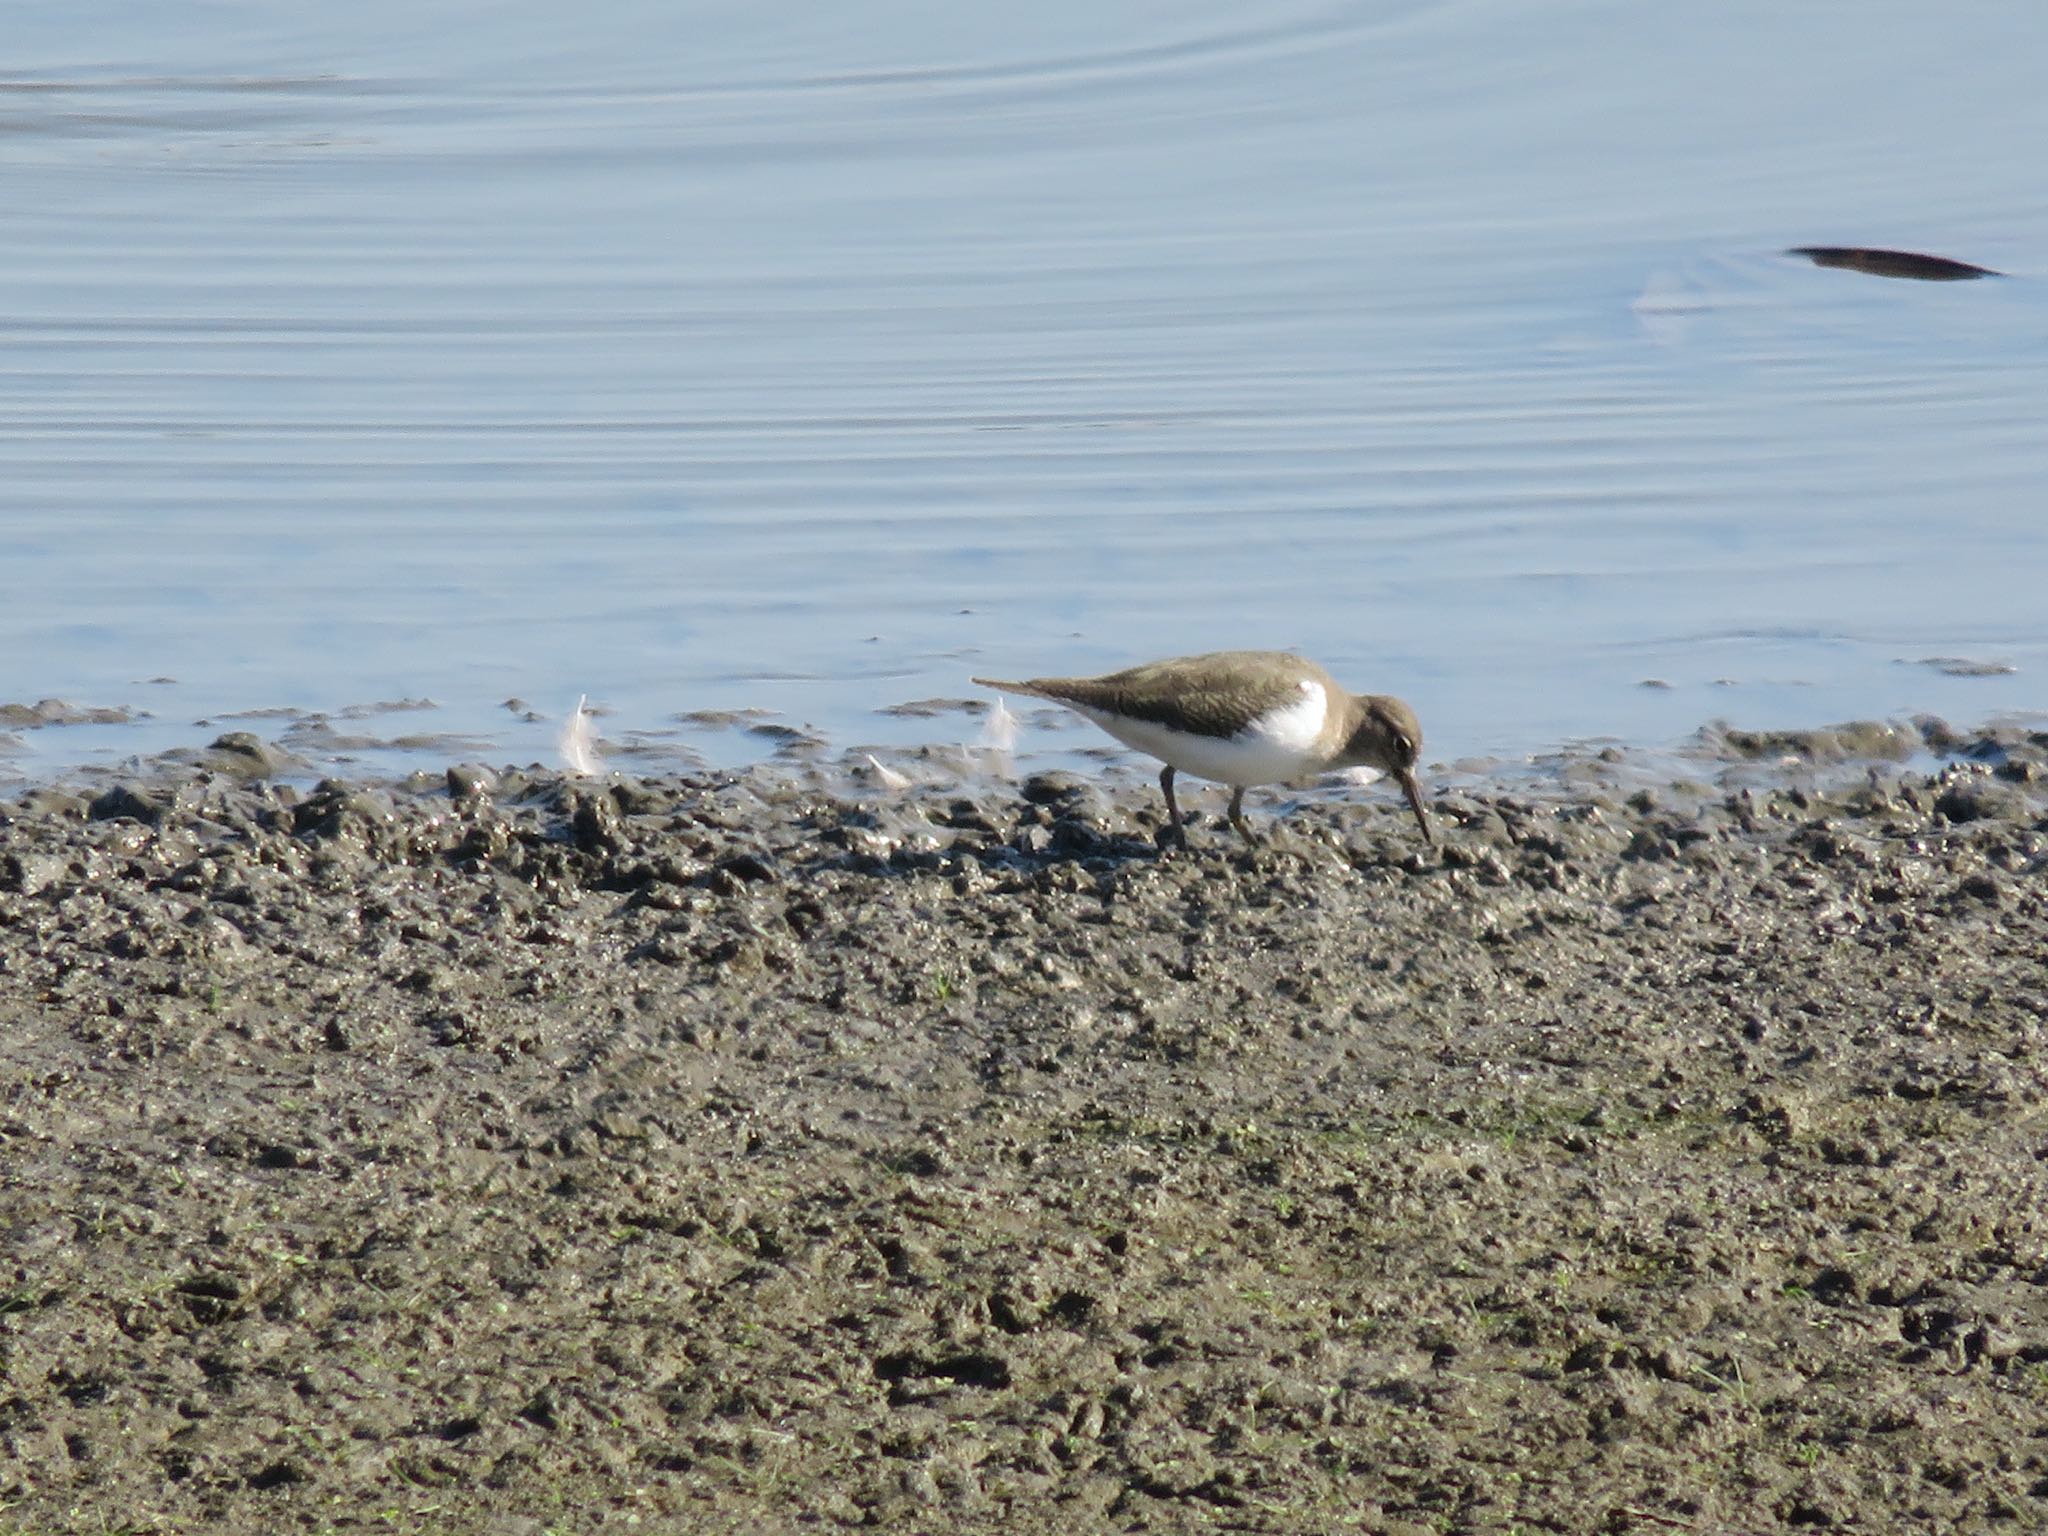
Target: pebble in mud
716	1150
241	755
469	781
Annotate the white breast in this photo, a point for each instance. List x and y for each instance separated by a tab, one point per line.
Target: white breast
1279	746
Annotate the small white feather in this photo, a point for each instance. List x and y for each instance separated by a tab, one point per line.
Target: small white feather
886	776
999	728
998	737
578	743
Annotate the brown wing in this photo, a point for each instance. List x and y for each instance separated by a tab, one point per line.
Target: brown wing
1216	694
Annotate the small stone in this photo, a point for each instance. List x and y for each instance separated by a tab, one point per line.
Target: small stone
29	873
130	802
245	755
470	781
1979	799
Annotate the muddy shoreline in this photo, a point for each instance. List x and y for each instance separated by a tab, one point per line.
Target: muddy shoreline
525	1154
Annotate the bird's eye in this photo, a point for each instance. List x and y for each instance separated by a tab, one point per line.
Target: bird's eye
1403	745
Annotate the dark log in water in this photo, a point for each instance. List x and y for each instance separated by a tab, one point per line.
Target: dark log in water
1858	258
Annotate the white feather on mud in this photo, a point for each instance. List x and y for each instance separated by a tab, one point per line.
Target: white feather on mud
578	743
886	776
998	736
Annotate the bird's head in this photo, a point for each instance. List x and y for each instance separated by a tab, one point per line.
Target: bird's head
1387	735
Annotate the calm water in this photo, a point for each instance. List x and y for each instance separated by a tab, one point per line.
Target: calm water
809	358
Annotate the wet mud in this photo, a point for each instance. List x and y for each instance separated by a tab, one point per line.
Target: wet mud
523	1154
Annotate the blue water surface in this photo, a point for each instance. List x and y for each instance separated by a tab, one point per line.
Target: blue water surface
810	358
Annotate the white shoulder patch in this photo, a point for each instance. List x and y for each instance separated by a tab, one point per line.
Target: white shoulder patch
1295	727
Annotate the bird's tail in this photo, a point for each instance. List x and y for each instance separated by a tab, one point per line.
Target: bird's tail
1029	689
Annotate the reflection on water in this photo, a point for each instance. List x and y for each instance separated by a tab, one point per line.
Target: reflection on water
718	358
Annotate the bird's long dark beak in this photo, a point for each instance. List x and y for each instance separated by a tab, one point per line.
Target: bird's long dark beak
1413	791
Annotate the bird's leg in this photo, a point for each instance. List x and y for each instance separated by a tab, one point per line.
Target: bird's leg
1244	828
1174	829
